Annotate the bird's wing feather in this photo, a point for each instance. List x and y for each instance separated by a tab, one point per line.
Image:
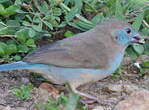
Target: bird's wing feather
79	51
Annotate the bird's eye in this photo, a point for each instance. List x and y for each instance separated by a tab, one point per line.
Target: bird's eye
128	30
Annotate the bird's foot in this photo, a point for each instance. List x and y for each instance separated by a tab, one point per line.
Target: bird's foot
102	101
93	99
99	100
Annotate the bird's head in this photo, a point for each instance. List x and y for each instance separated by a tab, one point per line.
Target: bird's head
127	36
120	32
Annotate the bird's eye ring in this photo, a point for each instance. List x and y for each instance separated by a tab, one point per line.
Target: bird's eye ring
128	30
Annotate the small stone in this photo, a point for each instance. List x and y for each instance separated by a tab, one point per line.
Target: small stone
41	96
7	108
98	108
128	88
25	80
50	89
115	87
137	101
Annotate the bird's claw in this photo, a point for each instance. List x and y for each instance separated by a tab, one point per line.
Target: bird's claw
101	101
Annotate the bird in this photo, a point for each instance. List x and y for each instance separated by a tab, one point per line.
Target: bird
83	58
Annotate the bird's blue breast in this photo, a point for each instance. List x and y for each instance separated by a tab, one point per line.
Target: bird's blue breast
114	64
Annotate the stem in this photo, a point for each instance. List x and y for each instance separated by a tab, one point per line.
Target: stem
10	36
145	23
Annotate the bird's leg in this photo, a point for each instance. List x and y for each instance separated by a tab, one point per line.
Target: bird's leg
94	98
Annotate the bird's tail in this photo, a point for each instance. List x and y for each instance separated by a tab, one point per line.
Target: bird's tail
21	65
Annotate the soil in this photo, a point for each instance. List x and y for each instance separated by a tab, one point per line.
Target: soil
108	88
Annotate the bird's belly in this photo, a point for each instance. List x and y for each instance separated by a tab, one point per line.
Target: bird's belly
72	75
78	76
61	75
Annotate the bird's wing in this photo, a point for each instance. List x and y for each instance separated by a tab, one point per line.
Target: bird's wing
76	52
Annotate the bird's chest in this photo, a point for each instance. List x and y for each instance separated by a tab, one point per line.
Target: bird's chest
113	64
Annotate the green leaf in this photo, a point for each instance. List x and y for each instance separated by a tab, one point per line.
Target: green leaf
72	102
36	19
132	53
4	30
44	8
54	22
2	52
47	107
62	99
68	34
140	2
146	63
29	18
22	35
24	92
31	33
10	41
98	18
138	48
11	10
138	21
20	17
74	11
13	23
17	57
116	75
119	10
82	25
37	27
71	14
30	42
90	6
57	12
3	49
111	2
23	49
2	10
48	24
146	47
18	2
12	48
145	31
67	1
2	25
2	1
26	23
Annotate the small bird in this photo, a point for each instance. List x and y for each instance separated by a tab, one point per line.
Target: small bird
86	57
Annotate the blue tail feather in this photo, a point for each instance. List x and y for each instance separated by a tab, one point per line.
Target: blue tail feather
21	65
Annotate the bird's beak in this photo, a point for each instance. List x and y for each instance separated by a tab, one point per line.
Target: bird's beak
137	39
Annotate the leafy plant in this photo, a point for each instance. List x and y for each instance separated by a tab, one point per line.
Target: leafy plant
118	72
24	92
68	34
67	103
